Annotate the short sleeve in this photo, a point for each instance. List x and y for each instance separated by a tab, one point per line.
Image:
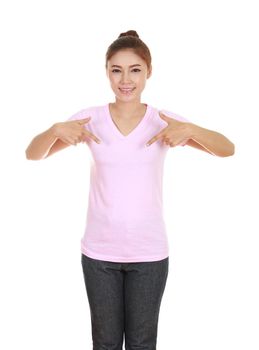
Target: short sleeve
177	117
174	115
82	114
78	115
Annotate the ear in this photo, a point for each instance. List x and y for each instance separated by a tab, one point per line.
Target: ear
149	72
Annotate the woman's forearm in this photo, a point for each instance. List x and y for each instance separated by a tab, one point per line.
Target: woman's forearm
41	144
213	141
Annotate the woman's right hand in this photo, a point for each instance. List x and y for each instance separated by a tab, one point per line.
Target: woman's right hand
73	131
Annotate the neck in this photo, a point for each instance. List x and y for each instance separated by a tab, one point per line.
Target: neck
127	109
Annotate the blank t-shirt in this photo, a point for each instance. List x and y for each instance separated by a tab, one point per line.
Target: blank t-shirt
124	221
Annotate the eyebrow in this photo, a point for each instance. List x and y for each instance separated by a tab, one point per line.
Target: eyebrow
133	65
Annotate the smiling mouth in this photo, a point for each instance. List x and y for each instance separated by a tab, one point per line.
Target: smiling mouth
126	91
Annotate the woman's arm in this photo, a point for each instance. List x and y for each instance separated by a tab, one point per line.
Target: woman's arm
212	141
186	133
59	136
40	144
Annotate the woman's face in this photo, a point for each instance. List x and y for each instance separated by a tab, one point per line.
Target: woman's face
127	73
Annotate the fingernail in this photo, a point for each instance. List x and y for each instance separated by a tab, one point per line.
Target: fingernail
147	144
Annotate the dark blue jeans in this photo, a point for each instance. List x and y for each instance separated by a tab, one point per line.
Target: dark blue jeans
124	299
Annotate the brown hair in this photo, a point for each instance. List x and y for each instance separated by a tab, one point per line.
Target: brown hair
129	40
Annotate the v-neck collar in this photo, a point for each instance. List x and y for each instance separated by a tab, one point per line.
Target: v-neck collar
135	130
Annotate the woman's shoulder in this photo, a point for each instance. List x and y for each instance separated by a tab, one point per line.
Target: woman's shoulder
90	111
171	114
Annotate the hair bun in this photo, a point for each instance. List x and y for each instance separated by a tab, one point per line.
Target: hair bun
129	32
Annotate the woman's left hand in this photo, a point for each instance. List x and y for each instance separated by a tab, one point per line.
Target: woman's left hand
174	134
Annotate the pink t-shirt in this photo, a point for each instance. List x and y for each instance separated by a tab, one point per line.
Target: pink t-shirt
125	209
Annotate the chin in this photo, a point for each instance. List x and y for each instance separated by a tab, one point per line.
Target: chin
130	97
127	99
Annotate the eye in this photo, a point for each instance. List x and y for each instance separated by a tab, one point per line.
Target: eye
135	70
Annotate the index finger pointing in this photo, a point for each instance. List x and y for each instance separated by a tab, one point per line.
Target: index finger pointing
155	138
92	136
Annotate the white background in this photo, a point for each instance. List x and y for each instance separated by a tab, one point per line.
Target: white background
205	68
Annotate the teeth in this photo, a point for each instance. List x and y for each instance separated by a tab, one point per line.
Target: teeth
126	90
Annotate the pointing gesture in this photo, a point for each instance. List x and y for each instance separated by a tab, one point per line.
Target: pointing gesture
73	131
174	134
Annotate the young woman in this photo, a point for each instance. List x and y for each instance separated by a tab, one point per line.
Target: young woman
124	250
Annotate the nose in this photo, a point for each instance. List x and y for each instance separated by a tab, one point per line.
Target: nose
125	77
